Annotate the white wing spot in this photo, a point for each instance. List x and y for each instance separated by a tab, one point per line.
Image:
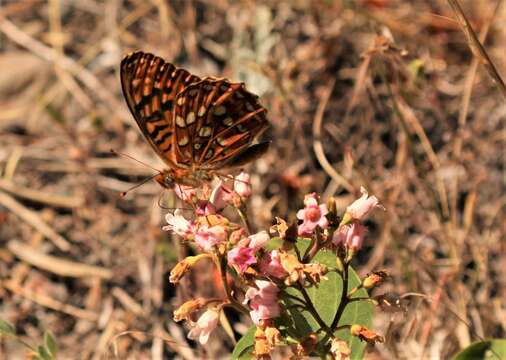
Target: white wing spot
202	111
183	141
197	146
221	141
181	100
190	118
228	121
205	131
180	121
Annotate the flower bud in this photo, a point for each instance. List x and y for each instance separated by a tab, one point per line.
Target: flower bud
365	334
374	279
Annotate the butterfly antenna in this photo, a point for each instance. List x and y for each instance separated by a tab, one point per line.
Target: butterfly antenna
123	193
134	159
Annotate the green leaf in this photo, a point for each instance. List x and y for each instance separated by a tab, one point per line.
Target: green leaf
6	328
481	350
50	343
44	354
244	348
326	299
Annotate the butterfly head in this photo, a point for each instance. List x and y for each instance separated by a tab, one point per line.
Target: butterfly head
166	179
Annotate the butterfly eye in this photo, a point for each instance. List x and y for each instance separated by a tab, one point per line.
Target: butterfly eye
168	181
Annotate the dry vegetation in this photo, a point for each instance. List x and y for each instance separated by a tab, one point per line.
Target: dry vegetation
380	93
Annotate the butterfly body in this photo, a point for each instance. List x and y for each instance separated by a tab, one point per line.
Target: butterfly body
197	126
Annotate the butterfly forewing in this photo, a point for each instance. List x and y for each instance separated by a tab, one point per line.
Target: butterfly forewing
150	86
215	122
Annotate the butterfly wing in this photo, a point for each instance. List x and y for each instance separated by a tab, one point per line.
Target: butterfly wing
215	122
150	86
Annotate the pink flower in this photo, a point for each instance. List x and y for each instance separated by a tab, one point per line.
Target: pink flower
313	215
178	224
263	300
351	235
220	196
339	236
355	236
185	192
242	185
271	265
258	240
242	257
206	323
208	237
361	207
205	207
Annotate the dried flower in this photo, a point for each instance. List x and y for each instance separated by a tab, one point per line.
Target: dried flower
183	266
242	257
188	308
340	349
365	334
315	272
262	346
178	224
206	323
273	335
312	215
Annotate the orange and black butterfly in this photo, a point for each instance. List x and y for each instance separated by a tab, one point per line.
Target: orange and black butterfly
197	126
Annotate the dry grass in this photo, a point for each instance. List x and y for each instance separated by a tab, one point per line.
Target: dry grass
380	93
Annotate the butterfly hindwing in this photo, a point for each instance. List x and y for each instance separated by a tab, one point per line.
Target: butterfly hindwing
219	119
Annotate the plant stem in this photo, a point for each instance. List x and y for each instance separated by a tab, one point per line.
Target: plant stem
344	297
223	274
242	214
314	313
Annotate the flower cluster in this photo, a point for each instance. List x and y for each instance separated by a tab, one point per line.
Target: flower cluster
268	263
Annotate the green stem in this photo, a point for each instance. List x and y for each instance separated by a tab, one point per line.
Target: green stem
312	310
344	297
293	297
242	214
223	274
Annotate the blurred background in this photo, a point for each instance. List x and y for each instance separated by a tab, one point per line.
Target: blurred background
378	93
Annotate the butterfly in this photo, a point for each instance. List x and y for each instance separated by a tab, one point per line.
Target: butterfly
197	126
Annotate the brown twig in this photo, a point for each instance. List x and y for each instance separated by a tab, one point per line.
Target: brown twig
54	264
317	142
32	218
476	46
